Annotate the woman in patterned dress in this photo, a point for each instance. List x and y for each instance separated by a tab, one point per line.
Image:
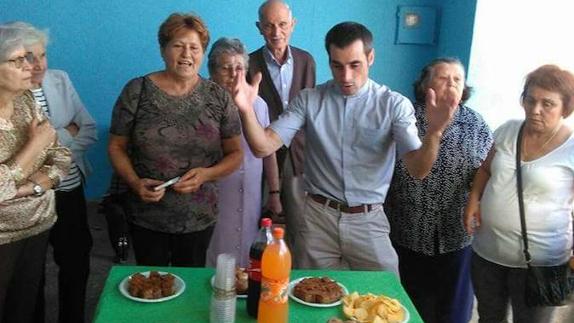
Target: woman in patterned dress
426	215
32	163
176	124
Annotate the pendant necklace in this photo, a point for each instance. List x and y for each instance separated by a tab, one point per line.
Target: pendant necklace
554	132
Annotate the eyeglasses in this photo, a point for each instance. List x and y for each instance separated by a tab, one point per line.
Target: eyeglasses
228	69
269	27
18	62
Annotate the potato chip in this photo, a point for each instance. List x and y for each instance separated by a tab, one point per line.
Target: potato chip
381	309
370	308
379	319
349	311
361	314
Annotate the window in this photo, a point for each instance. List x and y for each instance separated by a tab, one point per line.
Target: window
512	38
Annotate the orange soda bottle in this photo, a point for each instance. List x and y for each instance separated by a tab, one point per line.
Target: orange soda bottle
275	270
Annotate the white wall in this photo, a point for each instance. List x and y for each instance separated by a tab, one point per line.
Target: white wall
512	38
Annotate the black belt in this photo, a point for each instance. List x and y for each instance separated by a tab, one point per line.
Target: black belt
342	207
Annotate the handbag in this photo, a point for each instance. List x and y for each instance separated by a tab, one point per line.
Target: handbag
545	285
113	208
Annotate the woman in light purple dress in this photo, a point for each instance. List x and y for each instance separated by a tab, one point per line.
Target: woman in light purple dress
240	194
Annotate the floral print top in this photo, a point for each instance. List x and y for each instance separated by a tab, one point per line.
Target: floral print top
168	136
30	215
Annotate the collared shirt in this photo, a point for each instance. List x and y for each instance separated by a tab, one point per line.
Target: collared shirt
281	74
352	141
426	215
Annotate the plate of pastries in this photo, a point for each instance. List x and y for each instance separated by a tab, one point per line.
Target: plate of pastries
152	286
317	291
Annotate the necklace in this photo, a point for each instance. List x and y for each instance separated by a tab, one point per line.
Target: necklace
541	148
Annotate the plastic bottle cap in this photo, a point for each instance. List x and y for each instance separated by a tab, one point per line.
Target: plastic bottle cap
278	233
266	222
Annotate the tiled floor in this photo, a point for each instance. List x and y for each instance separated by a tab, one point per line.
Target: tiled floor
101	261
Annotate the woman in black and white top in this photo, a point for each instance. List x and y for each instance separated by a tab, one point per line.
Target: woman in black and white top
426	215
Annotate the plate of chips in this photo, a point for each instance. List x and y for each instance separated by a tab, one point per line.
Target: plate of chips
374	308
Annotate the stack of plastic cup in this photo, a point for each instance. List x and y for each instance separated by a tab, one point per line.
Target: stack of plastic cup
223	297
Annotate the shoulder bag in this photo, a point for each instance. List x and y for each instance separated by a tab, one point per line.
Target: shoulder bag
112	205
545	285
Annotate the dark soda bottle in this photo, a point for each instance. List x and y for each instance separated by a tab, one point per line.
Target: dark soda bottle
264	237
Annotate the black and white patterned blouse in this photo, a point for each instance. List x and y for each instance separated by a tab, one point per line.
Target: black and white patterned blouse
426	215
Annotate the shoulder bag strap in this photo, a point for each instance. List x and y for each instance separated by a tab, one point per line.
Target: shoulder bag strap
142	90
520	196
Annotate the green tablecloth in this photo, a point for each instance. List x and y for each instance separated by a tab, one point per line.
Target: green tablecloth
193	304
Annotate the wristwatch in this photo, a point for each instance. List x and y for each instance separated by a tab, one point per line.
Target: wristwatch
38	190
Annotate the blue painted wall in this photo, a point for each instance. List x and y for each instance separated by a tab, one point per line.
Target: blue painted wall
102	44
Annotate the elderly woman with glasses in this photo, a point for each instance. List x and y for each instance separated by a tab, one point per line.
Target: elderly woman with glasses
70	237
240	193
32	162
174	124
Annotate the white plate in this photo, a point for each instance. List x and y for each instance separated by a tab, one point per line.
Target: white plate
178	285
238	295
296	299
407	315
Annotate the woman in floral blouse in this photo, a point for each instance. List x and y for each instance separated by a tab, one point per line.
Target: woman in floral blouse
32	162
175	124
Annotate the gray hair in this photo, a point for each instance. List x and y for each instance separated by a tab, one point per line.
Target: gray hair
224	45
10	40
31	35
268	2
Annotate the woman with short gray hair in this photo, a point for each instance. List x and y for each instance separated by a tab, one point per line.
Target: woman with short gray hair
240	193
70	237
32	162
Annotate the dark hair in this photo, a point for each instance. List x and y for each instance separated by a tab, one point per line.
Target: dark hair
420	86
175	22
224	45
346	33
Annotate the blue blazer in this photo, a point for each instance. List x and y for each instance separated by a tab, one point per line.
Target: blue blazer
66	107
